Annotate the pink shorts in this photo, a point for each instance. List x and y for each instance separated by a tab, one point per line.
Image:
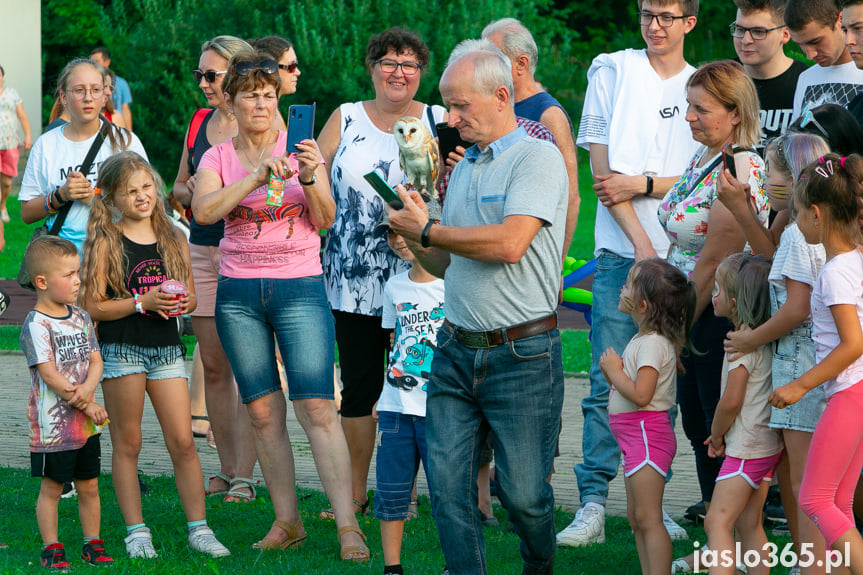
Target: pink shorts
645	438
205	274
9	162
754	471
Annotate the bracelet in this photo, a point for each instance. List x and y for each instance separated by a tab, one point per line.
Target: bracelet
425	241
48	207
649	190
314	179
139	306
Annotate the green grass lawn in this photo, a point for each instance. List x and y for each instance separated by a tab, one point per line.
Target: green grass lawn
240	525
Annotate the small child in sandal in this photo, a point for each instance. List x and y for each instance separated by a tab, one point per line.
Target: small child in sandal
413	306
65	363
740	431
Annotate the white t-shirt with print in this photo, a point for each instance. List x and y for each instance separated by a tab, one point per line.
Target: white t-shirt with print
415	310
839	283
831	85
52	158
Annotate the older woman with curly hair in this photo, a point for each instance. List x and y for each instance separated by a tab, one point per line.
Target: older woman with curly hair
271	290
358	138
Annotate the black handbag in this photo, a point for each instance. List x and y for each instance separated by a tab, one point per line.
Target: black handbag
24	279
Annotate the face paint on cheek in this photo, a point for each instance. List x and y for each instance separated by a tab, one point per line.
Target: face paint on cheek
627	303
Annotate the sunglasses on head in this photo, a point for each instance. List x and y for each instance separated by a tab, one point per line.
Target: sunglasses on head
807	117
290	68
246	68
210	75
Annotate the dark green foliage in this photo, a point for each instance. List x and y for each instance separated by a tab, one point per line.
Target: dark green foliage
156	43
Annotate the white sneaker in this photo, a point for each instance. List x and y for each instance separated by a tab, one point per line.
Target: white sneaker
202	539
587	528
139	544
675	531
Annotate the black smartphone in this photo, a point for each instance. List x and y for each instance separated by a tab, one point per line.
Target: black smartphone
448	139
728	160
301	125
384	190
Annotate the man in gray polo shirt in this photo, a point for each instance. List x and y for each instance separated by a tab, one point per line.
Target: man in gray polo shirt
497	368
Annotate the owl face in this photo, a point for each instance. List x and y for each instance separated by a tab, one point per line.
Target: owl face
409	132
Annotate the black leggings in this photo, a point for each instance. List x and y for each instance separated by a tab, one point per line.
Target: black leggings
363	350
698	392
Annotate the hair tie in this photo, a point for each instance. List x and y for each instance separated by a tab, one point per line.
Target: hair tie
97	191
842	161
821	160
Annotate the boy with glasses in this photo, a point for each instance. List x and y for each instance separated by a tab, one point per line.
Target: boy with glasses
633	124
815	26
759	34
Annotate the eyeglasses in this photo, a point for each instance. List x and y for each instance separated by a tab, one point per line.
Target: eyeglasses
390	66
246	68
78	93
664	20
807	117
210	75
290	68
756	33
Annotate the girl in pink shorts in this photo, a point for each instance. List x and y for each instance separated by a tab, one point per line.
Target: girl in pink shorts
643	384
827	199
740	430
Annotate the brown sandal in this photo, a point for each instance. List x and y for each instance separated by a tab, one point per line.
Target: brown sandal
346	550
294	538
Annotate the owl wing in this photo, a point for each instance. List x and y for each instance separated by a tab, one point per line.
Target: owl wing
434	159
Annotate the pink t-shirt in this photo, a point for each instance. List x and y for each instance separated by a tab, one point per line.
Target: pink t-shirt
264	241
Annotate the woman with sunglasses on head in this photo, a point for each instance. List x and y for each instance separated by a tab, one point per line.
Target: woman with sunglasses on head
229	421
274	203
48	185
358	138
833	123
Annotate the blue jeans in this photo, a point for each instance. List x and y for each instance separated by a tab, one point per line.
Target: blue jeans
609	328
401	447
515	392
250	312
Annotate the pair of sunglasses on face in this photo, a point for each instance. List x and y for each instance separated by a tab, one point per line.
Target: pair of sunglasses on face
246	68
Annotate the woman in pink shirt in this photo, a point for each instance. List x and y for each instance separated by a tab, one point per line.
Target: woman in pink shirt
271	289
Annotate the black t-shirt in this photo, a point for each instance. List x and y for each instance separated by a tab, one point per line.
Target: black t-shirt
212	234
145	270
776	96
856	108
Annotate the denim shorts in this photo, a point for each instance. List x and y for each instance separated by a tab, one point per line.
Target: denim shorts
253	313
156	362
401	447
794	356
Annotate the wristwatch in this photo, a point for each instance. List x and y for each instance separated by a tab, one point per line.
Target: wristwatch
139	307
314	179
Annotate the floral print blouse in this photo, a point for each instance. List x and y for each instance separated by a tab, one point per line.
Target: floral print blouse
685	209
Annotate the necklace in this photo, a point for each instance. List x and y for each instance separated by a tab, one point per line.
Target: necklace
388	126
257	164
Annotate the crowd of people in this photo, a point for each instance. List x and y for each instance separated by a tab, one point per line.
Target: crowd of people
726	291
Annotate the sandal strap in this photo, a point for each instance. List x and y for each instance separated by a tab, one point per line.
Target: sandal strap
200	418
291	530
351	529
244	483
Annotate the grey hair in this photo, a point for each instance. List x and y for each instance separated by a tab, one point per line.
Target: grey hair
491	67
516	40
225	46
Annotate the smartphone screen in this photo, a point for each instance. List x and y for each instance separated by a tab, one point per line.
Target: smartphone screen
384	190
448	139
728	160
301	125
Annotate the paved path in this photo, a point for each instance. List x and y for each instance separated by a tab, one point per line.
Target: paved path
154	459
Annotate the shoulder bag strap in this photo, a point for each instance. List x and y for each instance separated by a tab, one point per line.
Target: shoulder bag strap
194	128
85	167
432	124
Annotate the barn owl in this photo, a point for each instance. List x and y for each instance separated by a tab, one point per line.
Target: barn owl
419	157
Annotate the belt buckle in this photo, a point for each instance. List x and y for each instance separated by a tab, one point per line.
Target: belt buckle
475	339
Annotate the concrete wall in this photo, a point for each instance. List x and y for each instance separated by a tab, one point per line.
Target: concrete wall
21	55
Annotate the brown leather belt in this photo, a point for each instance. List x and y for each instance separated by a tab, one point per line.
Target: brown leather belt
486	339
